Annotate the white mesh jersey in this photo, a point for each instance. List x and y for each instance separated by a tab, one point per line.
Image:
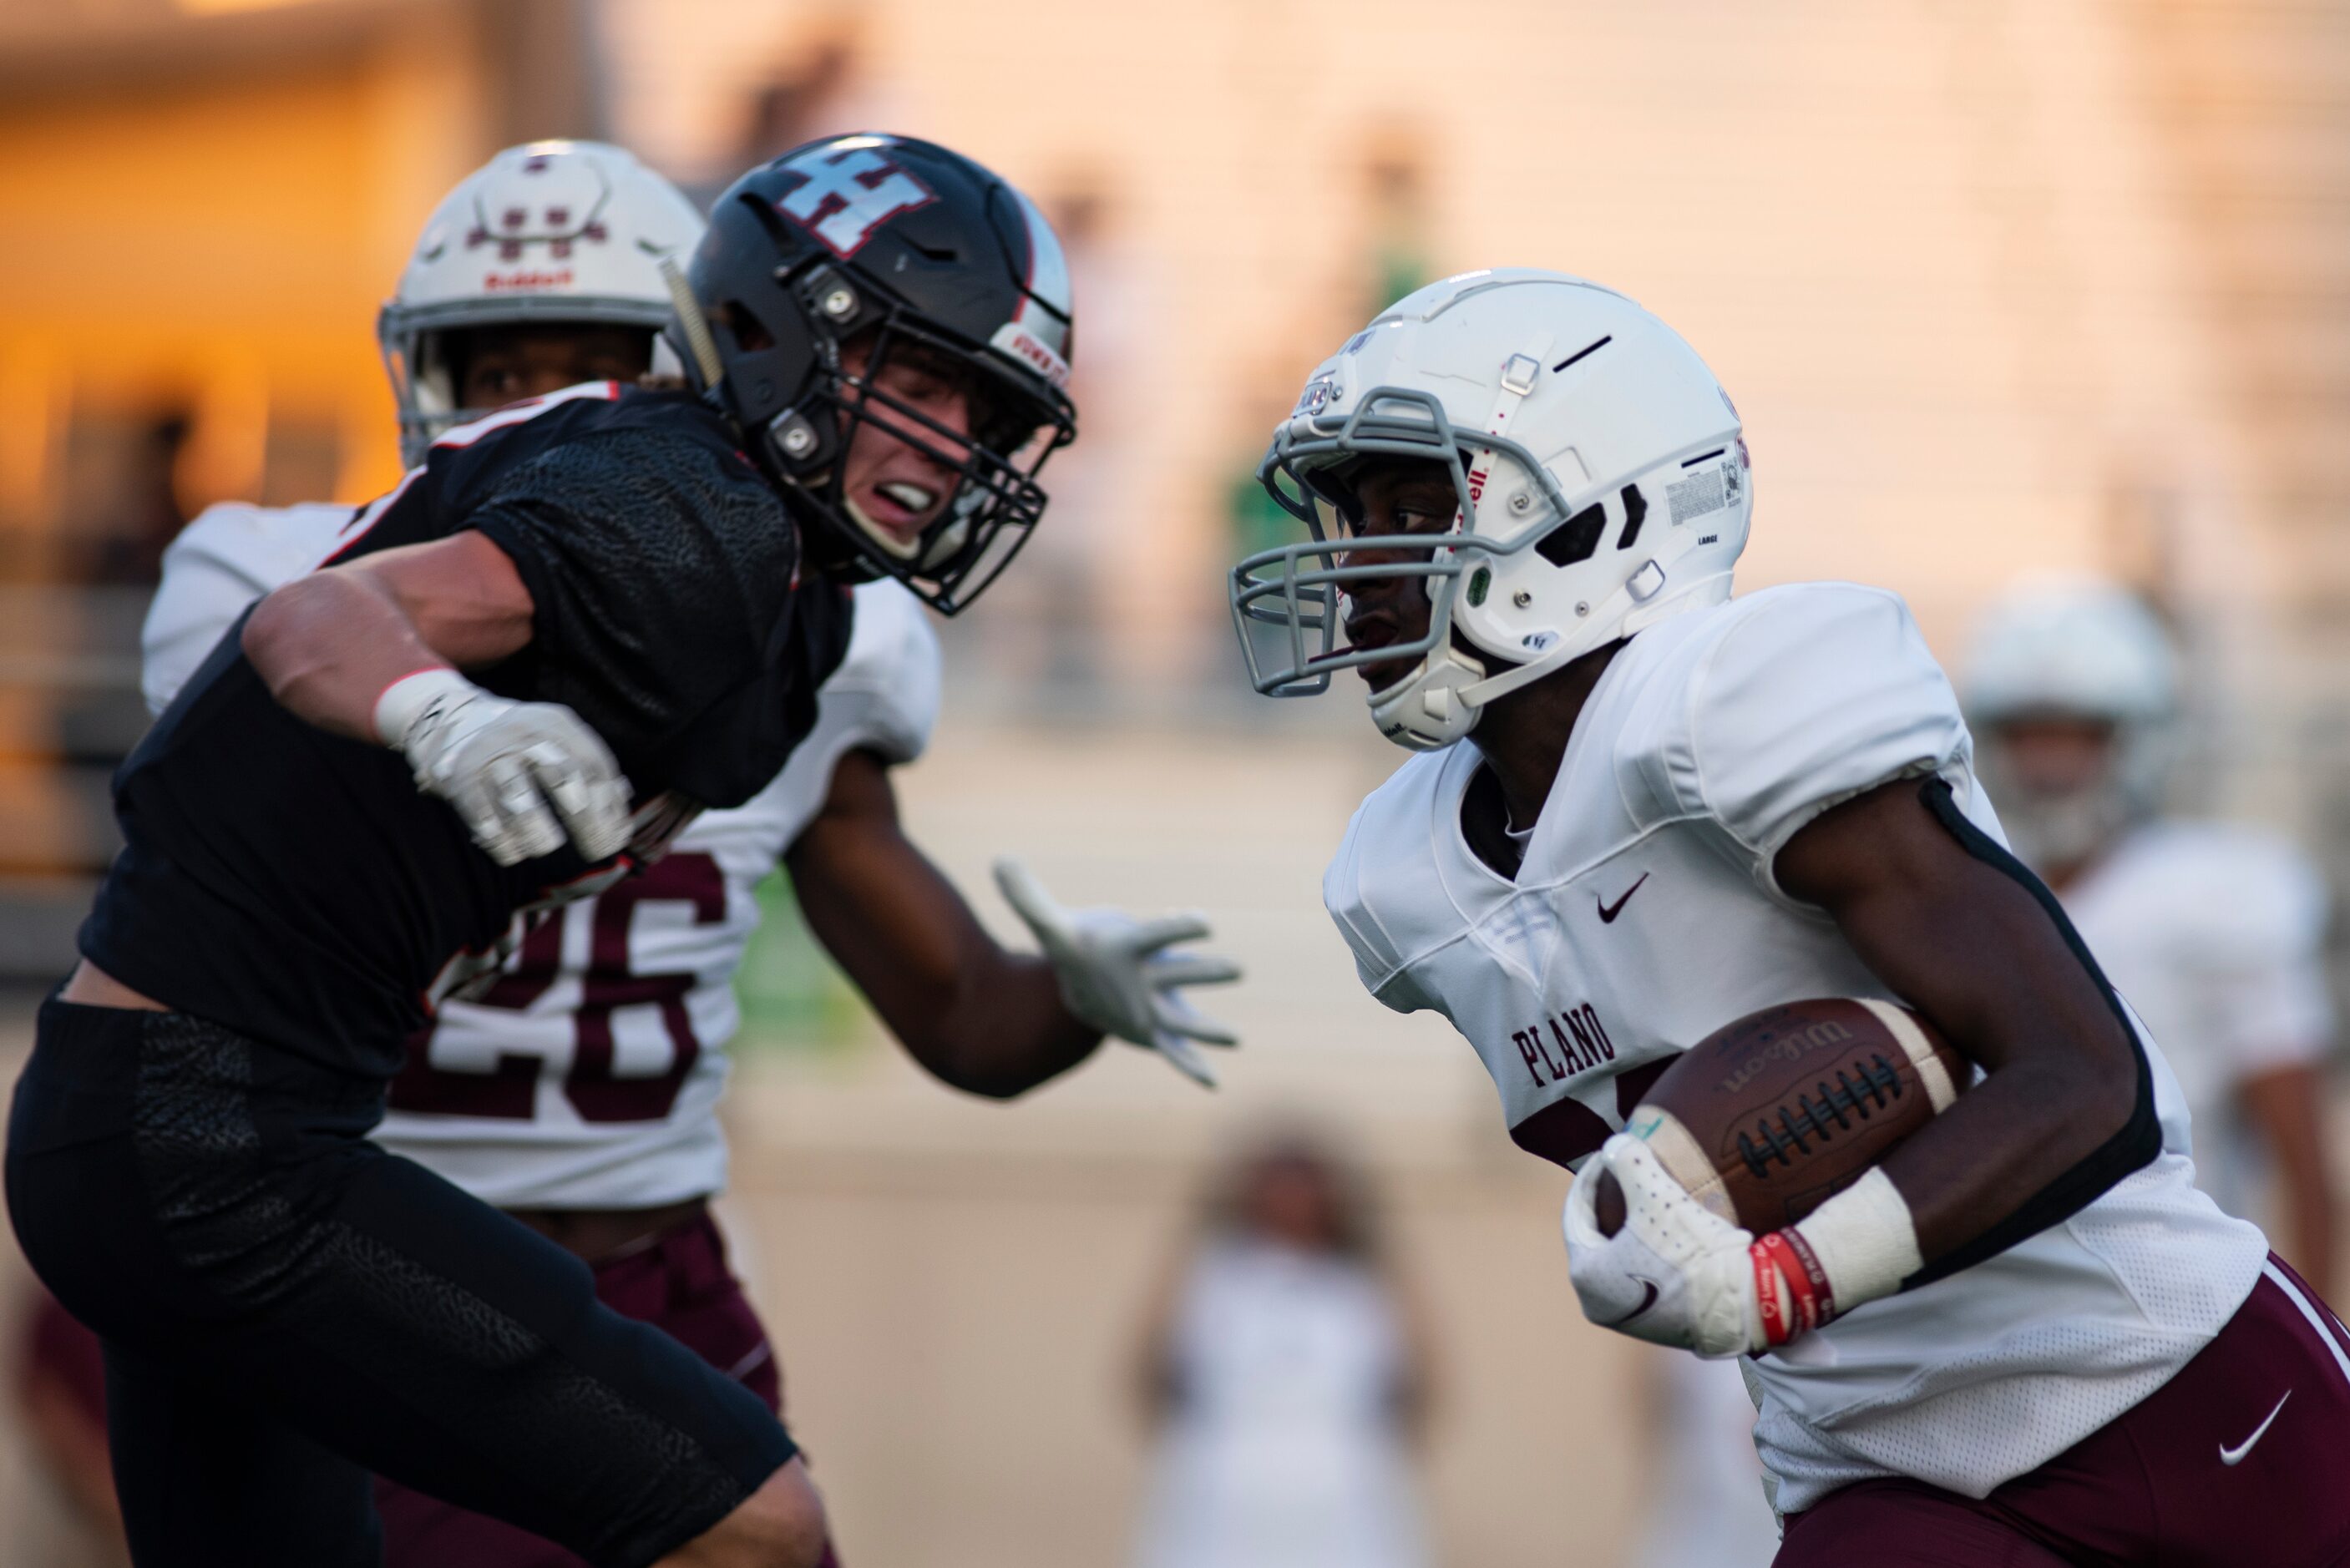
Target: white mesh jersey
2215	934
1646	916
589	1075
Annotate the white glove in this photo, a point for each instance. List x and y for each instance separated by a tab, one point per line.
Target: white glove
1673	1273
513	770
1117	975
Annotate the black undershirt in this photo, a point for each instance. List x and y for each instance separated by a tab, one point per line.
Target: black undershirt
1485	823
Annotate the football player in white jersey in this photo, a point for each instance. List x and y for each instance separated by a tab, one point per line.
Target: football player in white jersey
581	1092
2214	930
2024	1337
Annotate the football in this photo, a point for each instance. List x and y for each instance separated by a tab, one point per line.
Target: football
1763	1120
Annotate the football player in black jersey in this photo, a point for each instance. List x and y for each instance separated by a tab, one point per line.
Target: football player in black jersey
644	590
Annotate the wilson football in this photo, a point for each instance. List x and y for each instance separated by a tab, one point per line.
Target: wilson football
1763	1120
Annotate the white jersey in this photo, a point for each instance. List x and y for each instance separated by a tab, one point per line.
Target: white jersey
229	556
589	1075
1284	1450
2215	934
1646	916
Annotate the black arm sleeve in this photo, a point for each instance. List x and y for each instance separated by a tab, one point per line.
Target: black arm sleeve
2131	1147
661	571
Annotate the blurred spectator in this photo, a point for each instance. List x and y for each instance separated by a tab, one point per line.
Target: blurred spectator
1399	259
61	1401
1706	1508
1287	1375
825	86
1043	629
2212	932
798	104
1392	259
151	514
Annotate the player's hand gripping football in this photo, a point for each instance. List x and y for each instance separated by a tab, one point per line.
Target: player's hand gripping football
1672	1272
1118	976
523	775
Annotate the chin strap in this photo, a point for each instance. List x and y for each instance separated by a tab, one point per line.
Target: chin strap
1519	373
693	324
1426	711
1437	703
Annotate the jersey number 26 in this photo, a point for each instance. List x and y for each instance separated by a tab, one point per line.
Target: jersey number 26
510	1090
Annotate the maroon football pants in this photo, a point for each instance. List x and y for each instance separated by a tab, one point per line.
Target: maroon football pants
2243	1458
679	1284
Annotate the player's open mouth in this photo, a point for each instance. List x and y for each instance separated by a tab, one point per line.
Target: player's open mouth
1368	633
1373	630
913	502
895	513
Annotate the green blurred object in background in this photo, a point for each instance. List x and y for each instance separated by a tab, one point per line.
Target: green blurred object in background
793	996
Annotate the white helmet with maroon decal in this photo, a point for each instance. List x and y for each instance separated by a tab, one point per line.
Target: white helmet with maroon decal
1600	477
546	232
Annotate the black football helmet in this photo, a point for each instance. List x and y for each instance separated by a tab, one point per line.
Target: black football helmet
942	262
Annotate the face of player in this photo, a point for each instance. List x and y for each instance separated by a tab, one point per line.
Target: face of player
2053	757
1393	497
502	365
891	485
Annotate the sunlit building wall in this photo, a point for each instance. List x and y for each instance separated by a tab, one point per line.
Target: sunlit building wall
202	207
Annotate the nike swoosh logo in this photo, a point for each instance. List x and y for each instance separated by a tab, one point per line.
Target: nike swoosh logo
1649	1299
1607	912
2227	1455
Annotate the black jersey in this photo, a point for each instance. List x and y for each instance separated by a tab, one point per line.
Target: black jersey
295	887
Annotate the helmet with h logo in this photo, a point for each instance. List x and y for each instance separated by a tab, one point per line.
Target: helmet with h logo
908	249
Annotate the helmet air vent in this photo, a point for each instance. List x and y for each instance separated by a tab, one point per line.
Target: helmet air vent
1636	512
1575	539
1583	353
750	334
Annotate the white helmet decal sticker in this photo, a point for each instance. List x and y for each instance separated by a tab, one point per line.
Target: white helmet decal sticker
567	209
847	192
551	230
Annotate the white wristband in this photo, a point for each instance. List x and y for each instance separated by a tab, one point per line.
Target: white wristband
408	699
1866	1241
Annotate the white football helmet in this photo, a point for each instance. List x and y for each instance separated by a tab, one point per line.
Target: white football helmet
549	230
1602	481
2073	648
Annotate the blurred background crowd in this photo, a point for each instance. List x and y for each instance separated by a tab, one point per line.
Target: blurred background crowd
2001	286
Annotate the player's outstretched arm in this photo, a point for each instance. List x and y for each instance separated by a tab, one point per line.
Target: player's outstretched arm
1121	975
986	1021
367	650
1961	934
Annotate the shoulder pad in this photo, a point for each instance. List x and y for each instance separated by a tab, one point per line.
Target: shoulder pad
1783	703
229	556
1385	888
890	674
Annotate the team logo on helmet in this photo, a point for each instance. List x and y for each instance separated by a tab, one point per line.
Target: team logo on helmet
844	193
